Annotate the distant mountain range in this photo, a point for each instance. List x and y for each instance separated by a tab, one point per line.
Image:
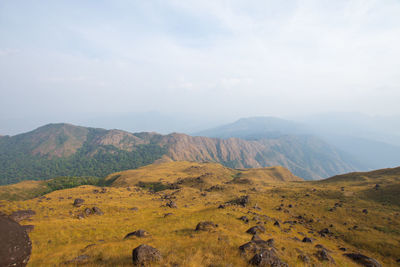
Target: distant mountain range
68	150
349	141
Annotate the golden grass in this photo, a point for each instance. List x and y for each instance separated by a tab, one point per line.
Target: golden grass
59	236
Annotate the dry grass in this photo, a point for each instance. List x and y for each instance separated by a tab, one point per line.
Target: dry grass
59	236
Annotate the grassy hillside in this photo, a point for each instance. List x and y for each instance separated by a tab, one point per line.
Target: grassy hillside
200	174
302	209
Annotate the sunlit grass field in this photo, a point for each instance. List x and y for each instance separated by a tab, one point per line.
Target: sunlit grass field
59	236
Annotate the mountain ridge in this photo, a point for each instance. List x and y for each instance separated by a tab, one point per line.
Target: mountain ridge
93	151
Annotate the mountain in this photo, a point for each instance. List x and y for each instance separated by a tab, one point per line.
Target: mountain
255	128
68	150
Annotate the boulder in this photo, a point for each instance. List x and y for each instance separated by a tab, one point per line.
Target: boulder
88	211
241	201
97	211
15	245
172	205
256	246
267	258
78	202
244	218
144	255
306	240
256	229
206	226
363	260
322	255
138	233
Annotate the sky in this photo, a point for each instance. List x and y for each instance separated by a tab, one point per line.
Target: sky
70	61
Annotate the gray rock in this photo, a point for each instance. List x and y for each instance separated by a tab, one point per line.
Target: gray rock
144	255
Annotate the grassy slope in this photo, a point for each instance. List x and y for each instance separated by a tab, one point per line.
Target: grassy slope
58	236
210	173
23	190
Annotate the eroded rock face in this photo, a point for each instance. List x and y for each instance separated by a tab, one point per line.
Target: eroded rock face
363	260
15	245
143	255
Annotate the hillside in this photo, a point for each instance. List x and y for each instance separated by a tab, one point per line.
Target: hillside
318	223
379	185
203	174
67	150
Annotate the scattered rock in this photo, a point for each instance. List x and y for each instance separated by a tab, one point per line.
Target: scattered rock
168	214
78	202
241	201
322	255
319	246
276	223
342	249
256	246
144	255
324	232
256	229
15	245
134	209
256	237
80	216
87	211
267	258
137	233
306	240
221	206
304	258
244	218
97	211
363	260
21	215
365	211
172	205
377	186
206	226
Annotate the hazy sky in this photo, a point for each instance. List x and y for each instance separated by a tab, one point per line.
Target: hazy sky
63	59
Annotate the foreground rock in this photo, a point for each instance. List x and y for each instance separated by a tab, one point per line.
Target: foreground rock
267	258
15	245
206	226
22	215
363	260
144	255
